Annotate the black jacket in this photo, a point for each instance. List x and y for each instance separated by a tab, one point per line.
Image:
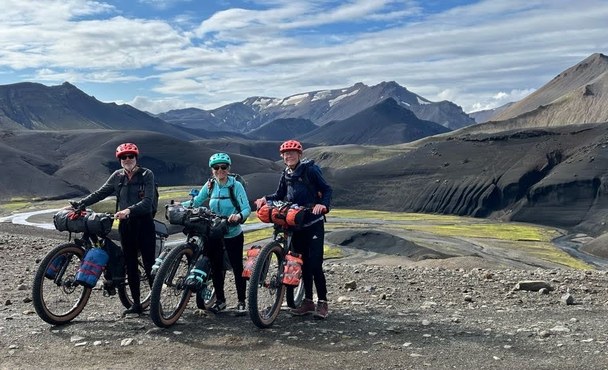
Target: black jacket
135	194
303	186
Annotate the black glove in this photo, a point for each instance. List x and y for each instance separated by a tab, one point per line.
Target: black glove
77	205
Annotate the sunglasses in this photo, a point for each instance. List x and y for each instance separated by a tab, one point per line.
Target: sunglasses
222	167
127	156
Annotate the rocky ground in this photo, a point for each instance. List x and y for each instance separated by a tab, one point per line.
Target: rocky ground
381	317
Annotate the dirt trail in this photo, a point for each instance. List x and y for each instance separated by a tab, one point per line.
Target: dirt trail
394	316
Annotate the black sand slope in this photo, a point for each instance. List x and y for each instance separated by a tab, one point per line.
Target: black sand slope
383	243
552	176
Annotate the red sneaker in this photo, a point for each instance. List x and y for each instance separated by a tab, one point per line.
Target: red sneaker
322	310
308	306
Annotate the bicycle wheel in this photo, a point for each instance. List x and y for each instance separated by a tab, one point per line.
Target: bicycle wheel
294	295
266	290
56	296
124	292
170	295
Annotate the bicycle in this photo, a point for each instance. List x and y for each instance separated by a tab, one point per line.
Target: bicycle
170	291
57	296
266	285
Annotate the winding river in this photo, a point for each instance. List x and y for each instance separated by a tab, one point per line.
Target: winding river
41	219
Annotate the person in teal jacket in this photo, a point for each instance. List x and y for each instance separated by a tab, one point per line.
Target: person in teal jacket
217	190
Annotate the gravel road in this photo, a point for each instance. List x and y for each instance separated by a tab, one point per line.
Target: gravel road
382	316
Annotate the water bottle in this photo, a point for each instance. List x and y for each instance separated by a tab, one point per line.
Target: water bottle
158	261
199	274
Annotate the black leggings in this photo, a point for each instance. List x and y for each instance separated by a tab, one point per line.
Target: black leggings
137	235
234	249
309	243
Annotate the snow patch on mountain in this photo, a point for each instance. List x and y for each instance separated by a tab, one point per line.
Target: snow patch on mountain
337	99
320	95
264	103
295	99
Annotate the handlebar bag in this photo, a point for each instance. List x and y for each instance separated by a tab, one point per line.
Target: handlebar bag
99	223
93	264
68	220
218	228
197	221
264	213
279	215
295	216
85	221
176	214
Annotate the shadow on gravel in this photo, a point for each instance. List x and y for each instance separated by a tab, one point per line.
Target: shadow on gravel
342	331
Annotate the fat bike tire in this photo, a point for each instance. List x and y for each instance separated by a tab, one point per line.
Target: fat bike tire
266	290
58	299
170	295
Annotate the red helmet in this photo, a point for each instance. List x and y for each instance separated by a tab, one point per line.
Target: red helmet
126	148
291	145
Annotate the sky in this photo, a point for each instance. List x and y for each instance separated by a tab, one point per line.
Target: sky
161	55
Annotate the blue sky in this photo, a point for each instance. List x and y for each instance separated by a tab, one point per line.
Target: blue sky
161	55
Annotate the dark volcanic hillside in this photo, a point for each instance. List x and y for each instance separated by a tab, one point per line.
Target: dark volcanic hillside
71	163
192	118
382	124
32	106
282	129
551	176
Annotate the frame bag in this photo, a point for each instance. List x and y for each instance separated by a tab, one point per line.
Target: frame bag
115	271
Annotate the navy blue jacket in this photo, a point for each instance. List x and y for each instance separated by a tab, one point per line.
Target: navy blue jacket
303	186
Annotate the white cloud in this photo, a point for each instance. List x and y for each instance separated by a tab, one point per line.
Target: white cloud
159	105
479	56
499	99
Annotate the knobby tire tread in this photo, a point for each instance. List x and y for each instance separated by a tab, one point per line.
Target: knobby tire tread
40	279
168	265
259	274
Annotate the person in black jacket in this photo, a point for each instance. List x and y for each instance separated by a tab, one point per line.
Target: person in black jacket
302	183
134	189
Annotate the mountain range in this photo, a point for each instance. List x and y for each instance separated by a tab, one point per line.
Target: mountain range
319	107
30	106
528	166
33	106
385	123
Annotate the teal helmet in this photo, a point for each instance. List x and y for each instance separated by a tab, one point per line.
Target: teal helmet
218	158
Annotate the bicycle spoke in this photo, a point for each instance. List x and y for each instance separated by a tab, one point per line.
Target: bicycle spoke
266	288
170	296
56	296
